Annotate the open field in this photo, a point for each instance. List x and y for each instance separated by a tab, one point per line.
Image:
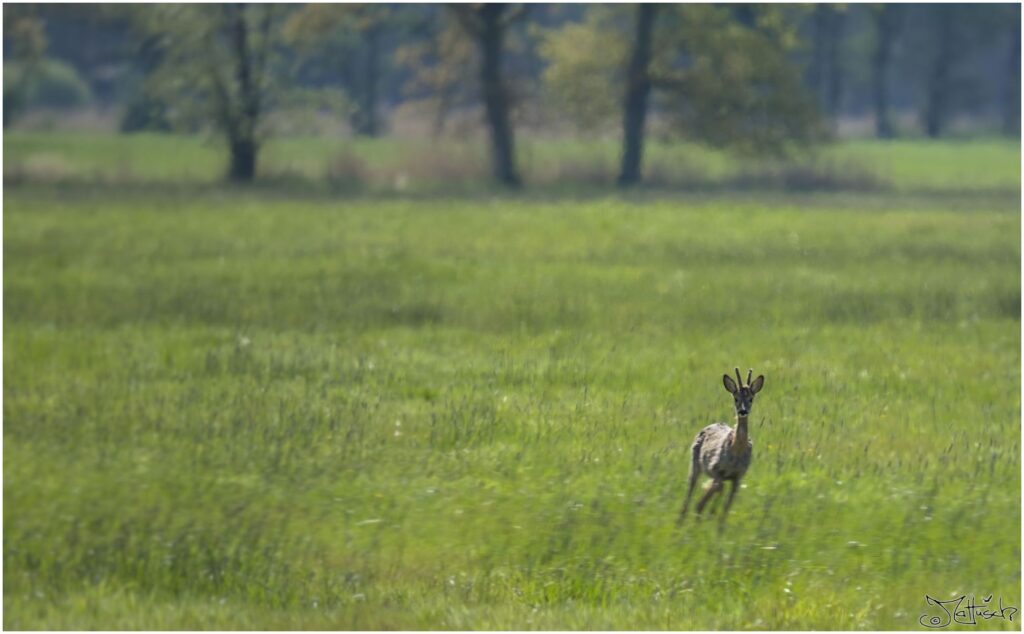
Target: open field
230	409
393	165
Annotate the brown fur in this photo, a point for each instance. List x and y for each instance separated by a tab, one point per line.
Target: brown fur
721	452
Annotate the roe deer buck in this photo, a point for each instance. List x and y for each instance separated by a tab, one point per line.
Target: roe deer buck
724	453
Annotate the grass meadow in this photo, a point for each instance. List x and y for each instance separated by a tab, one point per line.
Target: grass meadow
292	408
445	167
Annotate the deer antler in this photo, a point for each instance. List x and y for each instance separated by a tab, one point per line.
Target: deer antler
750	373
739	379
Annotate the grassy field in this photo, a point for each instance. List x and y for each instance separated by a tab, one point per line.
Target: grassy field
393	165
230	409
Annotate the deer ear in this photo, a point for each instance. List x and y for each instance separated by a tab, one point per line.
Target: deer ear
758	383
730	385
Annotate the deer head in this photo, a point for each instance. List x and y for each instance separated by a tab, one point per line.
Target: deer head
742	393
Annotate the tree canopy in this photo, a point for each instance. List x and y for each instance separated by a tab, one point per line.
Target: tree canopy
715	79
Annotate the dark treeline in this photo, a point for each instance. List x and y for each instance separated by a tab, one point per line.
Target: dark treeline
748	77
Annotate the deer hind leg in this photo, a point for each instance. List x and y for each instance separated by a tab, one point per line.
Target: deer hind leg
716	486
694	475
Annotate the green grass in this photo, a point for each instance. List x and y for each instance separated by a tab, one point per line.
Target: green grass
240	410
938	166
901	166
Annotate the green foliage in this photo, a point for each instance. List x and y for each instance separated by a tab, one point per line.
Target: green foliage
586	65
223	410
297	112
739	90
219	67
16	94
48	83
716	80
199	66
328	36
440	69
25	38
58	85
24	32
145	113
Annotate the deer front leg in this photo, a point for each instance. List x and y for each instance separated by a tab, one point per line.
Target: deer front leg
716	486
732	493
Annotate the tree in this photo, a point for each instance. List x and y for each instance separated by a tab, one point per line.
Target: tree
638	87
578	81
436	59
713	78
741	90
340	33
834	91
953	60
1011	94
938	86
216	68
886	18
24	34
825	72
487	24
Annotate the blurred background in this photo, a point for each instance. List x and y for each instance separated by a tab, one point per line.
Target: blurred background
533	93
405	317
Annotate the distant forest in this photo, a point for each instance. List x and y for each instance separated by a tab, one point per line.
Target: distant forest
751	77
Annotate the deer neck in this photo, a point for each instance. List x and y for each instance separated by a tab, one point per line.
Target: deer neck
740	441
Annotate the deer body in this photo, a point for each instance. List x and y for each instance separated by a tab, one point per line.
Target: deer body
721	452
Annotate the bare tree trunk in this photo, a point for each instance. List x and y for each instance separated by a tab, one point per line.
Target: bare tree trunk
444	101
824	75
373	45
816	71
834	94
886	23
365	119
638	89
243	160
491	41
242	134
937	98
1011	100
